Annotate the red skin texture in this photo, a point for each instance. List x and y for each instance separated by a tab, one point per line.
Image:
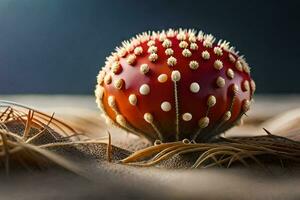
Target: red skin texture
194	103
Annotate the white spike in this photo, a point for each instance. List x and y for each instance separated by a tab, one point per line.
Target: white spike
194	87
175	75
186	53
162	78
205	55
132	99
193	46
203	122
194	64
230	73
171	61
167	43
166	106
169	51
187	117
220	82
131	59
218	64
144	89
152	49
144	68
183	44
211	101
153	57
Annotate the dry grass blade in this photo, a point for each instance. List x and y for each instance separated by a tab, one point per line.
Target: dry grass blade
29	140
144	153
167	150
163	156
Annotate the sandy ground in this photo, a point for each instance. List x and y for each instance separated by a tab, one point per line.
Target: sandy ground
104	180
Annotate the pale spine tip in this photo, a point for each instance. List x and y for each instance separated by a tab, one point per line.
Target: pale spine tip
230	73
246	85
239	66
132	99
194	87
157	142
116	67
211	101
169	52
220	82
148	117
107	79
194	65
131	59
99	92
144	68
162	37
207	44
186	53
121	52
162	78
175	76
166	106
203	122
192	39
152	49
121	120
218	64
246	69
246	105
231	58
205	55
153	57
145	89
235	88
111	101
171	33
183	45
138	51
193	46
227	116
119	83
150	43
181	36
167	43
253	86
100	77
172	61
187	117
218	51
245	65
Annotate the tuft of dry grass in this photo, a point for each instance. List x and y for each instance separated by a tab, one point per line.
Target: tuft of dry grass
26	133
223	153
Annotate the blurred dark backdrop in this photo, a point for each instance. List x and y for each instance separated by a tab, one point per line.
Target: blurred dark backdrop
58	46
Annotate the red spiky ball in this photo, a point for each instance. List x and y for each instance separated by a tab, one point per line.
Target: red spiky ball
175	84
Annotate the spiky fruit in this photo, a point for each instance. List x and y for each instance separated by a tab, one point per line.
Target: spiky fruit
175	84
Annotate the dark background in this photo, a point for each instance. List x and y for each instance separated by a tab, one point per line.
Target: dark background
58	46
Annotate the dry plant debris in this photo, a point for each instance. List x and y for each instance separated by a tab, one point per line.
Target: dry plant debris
227	151
25	135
